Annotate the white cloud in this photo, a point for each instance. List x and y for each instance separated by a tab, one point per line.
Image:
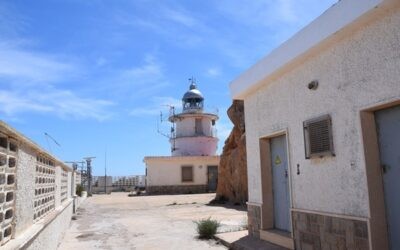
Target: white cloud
158	104
142	80
213	72
17	64
180	17
62	103
32	82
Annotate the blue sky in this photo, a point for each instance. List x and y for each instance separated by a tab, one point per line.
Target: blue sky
96	74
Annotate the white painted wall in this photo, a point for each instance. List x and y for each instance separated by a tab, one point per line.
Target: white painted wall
165	171
186	126
185	146
188	142
354	73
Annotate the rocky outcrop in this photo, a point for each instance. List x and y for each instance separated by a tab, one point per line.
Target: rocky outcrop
232	171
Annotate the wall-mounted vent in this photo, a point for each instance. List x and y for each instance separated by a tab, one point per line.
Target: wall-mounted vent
318	139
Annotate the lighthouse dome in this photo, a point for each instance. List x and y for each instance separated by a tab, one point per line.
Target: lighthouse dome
193	99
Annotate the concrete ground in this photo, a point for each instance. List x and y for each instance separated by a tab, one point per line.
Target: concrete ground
117	221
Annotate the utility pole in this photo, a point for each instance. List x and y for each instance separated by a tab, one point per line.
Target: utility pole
89	173
105	171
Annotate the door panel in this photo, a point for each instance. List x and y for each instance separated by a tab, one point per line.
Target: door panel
388	128
212	178
280	183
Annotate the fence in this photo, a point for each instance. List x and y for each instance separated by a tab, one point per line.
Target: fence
35	189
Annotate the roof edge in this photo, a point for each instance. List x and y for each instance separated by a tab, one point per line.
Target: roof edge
24	139
335	19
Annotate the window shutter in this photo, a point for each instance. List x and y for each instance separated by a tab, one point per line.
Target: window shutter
318	139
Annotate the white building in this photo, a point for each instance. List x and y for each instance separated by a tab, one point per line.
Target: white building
193	166
323	132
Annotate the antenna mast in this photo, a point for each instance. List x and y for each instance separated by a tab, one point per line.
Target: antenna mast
89	173
171	134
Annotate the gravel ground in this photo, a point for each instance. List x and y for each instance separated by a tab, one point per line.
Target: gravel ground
117	221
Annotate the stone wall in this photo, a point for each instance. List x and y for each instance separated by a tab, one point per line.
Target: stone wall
178	189
254	220
314	231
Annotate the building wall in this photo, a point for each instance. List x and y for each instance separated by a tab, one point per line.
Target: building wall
186	126
186	146
43	197
357	72
163	171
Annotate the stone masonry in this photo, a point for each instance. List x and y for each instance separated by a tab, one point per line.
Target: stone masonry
178	189
254	220
314	231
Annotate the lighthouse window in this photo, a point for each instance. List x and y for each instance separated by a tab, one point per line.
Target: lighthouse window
198	127
187	173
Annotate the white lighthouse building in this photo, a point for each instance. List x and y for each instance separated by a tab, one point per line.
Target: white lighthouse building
195	132
193	164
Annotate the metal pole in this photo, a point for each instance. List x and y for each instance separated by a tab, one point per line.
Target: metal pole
105	172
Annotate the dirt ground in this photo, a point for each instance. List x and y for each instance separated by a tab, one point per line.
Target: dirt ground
117	221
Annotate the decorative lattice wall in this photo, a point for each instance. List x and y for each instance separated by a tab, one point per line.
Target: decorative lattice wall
64	185
8	165
45	184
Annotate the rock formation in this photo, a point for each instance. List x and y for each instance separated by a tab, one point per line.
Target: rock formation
232	171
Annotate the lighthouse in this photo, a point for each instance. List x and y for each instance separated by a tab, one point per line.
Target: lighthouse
194	131
192	166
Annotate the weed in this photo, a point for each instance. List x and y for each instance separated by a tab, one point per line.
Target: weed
207	228
79	189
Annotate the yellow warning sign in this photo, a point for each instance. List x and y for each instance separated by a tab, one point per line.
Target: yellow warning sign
277	160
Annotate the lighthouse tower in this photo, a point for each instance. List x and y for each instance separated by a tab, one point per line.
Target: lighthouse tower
194	130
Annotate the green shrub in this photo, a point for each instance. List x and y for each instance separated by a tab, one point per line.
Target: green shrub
79	189
207	228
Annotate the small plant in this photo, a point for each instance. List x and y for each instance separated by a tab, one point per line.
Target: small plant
207	228
79	189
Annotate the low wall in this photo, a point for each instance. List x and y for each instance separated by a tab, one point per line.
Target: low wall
36	194
178	189
47	233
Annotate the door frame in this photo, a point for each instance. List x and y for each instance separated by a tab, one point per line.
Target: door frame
267	206
378	228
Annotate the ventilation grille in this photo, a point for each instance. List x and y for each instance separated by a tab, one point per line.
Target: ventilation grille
318	137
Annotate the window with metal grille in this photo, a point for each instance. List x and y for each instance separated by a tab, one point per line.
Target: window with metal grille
187	173
318	138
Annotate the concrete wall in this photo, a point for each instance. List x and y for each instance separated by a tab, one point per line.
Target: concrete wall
188	141
43	195
186	146
354	73
186	125
25	189
166	171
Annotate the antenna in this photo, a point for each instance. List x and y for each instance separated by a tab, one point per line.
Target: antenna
47	139
171	134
